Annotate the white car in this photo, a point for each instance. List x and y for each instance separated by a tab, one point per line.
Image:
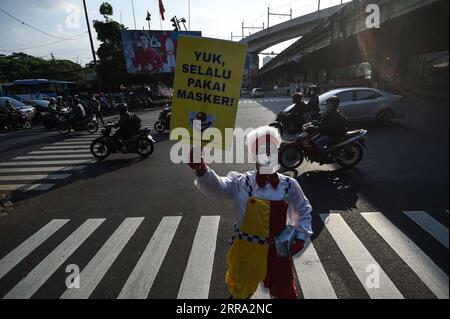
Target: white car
257	92
361	104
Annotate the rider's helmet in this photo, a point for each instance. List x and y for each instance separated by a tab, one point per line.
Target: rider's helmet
59	99
297	97
8	103
76	101
123	108
52	100
313	90
332	103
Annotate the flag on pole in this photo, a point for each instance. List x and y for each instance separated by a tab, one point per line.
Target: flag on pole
161	9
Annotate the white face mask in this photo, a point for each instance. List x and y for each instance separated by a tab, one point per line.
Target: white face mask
268	163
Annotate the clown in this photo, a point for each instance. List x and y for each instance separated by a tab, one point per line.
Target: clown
265	203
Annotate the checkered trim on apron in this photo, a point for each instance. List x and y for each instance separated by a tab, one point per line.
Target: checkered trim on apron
249	237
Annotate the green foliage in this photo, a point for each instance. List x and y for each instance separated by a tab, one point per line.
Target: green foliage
111	65
106	10
23	66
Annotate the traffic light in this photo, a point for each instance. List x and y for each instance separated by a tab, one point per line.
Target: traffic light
175	24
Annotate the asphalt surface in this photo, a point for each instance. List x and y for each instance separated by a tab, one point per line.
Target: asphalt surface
404	170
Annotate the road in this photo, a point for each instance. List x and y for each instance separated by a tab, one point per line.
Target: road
140	228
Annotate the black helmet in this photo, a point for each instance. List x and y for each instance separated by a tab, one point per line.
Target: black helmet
8	103
297	95
333	100
76	101
313	88
123	108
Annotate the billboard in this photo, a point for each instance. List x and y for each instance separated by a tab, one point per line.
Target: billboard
151	52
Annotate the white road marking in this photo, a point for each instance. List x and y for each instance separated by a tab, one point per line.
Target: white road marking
197	276
359	258
30	163
45	157
431	275
23	250
33	177
430	225
52	169
60	152
103	260
26	187
144	273
28	286
261	293
66	147
311	275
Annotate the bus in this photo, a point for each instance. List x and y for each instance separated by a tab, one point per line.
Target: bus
37	89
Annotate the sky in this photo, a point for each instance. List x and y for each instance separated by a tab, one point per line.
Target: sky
64	20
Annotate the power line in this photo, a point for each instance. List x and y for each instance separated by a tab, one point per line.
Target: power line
32	27
75	37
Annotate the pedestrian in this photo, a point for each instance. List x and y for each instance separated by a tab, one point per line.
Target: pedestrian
95	107
264	200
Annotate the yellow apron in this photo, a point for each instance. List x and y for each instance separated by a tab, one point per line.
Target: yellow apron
247	257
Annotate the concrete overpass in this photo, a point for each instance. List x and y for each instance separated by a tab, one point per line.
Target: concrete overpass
409	29
288	30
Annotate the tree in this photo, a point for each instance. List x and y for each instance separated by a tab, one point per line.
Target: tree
111	65
106	10
23	66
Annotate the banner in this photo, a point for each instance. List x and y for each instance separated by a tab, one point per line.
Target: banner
151	52
207	88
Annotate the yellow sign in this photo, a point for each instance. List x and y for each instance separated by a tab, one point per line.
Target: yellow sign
208	77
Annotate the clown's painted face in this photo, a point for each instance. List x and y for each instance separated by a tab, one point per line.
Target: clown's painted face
266	156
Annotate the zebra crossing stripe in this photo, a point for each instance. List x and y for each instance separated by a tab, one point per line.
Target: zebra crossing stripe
26	187
60	152
313	279
27	287
53	169
261	293
54	156
359	258
197	276
66	147
144	273
72	143
30	163
105	257
430	225
431	275
23	250
33	177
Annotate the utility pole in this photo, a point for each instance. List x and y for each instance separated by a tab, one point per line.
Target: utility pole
251	28
278	14
92	44
148	18
189	15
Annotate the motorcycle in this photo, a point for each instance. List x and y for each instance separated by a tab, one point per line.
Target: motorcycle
347	151
20	120
65	125
50	121
163	122
142	144
290	122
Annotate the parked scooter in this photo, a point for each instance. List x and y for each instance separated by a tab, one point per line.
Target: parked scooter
347	151
142	144
163	122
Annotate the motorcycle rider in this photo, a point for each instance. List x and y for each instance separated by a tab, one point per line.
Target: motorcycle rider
77	114
53	107
313	104
129	125
11	112
60	102
95	107
332	126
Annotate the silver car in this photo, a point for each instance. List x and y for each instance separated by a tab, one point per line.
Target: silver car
366	104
